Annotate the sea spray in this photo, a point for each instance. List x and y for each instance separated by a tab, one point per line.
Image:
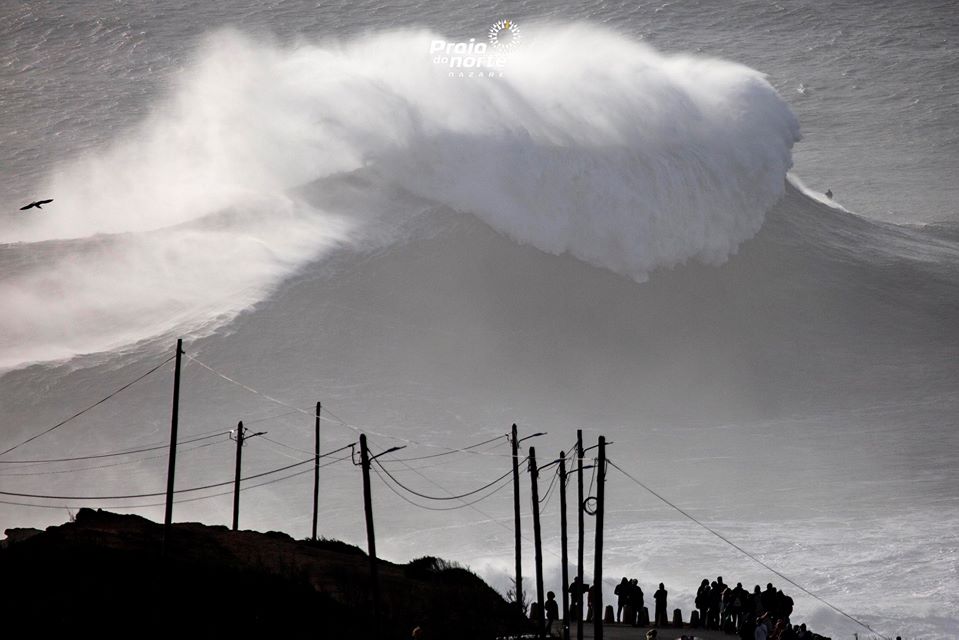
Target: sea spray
591	144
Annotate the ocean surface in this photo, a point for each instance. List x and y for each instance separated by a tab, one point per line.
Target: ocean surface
623	231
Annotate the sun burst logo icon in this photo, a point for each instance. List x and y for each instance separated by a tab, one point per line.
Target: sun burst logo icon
504	35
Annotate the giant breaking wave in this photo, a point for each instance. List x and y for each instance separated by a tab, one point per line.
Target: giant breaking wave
590	144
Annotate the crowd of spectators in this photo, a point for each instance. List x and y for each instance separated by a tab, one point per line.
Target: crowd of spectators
762	614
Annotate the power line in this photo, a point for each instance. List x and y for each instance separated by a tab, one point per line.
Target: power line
434	465
155	494
428	497
274	417
357	429
242	489
592	477
335	418
293	454
747	553
350	446
292	448
448	453
162	493
498	521
160	504
106	466
113	453
428	508
545	499
82	411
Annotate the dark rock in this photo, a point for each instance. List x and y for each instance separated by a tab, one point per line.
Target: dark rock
107	570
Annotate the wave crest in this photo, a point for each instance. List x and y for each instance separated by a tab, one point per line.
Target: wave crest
590	143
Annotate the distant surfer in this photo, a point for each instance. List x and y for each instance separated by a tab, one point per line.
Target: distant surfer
829	193
36	204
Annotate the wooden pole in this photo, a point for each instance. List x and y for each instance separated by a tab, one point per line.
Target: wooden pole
316	471
236	476
582	534
370	535
516	527
537	538
598	560
563	541
174	421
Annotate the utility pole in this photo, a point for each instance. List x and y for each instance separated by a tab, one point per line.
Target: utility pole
563	541
516	526
236	476
171	468
580	540
316	472
370	535
537	538
365	460
598	560
241	437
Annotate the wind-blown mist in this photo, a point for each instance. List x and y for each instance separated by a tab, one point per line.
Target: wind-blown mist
591	144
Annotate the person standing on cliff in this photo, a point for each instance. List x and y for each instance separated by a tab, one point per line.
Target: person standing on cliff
635	602
661	618
622	594
552	613
702	602
576	591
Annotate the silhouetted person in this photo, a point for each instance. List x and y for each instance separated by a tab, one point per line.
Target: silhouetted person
756	602
769	598
552	612
576	590
715	597
622	594
737	605
718	592
635	603
787	605
36	204
725	608
829	193
661	618
702	601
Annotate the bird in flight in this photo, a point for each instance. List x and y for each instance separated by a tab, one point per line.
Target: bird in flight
36	204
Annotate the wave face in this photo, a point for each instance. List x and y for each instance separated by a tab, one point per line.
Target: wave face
591	144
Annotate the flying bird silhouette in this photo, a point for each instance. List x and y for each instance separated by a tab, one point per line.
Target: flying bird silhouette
36	204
